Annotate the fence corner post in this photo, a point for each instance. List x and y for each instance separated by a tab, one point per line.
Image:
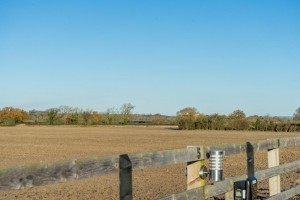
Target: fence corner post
125	177
273	161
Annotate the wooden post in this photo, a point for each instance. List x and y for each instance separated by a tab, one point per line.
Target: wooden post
273	160
193	179
125	177
193	168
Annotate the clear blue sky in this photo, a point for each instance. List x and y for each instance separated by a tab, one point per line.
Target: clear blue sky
161	56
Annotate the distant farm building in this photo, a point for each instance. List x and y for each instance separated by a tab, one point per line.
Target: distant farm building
140	122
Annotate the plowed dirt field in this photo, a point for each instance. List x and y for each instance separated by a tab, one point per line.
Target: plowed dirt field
23	145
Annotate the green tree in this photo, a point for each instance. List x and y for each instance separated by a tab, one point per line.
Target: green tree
258	124
238	121
217	122
72	118
271	124
52	114
69	115
86	117
202	121
111	116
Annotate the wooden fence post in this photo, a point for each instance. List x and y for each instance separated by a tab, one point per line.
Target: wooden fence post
273	160
125	177
193	168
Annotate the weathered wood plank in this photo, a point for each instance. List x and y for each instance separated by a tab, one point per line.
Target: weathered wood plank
176	156
193	194
44	174
286	194
274	171
237	148
91	167
161	158
289	142
33	175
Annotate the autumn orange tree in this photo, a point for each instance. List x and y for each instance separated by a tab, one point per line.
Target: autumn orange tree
90	118
10	116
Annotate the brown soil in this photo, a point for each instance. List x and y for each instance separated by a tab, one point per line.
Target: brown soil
23	145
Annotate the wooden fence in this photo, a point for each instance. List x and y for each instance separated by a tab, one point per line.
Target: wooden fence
43	174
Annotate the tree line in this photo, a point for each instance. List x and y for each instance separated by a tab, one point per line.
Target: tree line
66	115
187	119
190	119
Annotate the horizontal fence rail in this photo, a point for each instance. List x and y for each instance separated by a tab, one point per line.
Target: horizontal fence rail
44	174
286	194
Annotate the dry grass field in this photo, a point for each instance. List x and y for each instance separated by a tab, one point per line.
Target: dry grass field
23	145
